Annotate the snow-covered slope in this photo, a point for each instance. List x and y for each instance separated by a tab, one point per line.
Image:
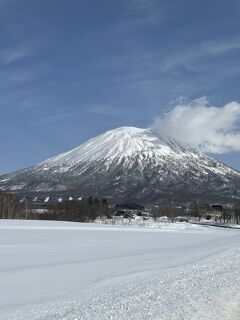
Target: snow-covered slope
122	144
65	271
128	163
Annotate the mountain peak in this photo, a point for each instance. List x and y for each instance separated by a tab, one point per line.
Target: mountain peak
119	143
129	163
126	130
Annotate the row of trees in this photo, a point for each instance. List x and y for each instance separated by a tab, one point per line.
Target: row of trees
87	209
169	211
7	206
198	211
217	213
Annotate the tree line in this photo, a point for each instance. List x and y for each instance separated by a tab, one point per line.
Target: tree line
85	210
88	209
198	211
7	206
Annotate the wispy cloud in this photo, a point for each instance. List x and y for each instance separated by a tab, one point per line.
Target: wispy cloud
146	13
10	55
190	56
221	47
210	128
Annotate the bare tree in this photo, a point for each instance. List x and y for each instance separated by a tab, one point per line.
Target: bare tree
7	206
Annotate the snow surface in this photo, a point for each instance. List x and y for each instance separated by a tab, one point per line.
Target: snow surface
61	270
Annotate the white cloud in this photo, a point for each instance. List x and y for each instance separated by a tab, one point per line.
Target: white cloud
209	128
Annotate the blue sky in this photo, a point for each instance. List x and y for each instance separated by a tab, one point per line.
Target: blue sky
70	70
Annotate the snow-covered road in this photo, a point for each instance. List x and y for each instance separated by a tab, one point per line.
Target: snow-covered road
60	270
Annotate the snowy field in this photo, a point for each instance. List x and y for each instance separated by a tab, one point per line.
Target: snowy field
72	271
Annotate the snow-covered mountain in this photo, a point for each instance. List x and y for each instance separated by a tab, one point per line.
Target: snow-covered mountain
129	163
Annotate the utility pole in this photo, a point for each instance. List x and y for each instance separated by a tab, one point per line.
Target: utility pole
26	209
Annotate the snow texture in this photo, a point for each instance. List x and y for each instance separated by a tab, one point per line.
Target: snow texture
123	142
72	271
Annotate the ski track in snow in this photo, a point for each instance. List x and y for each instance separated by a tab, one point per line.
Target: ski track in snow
204	287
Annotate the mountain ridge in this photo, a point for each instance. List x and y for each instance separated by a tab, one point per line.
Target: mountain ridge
128	163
